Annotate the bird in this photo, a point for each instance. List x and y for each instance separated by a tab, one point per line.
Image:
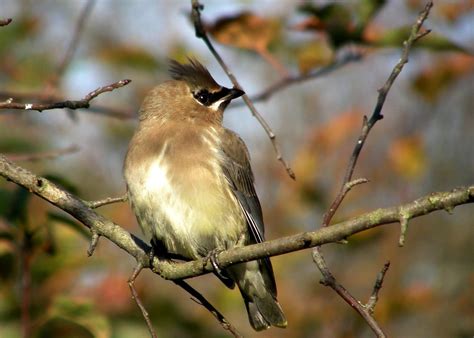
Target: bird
191	186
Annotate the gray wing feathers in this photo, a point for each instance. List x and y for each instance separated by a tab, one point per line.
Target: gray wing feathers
236	167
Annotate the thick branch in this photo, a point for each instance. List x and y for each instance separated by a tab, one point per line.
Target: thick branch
138	249
84	103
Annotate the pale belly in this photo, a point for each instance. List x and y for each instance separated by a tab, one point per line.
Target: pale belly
191	211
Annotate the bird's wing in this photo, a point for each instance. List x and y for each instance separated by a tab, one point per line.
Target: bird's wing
237	170
236	167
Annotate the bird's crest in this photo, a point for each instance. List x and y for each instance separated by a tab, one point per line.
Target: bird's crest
194	73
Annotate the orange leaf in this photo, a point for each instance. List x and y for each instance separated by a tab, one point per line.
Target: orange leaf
245	30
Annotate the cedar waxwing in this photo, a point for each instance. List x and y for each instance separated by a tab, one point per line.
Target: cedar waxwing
191	186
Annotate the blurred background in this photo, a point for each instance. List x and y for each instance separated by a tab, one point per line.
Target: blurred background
424	144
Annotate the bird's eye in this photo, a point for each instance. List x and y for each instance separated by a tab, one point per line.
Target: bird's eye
203	96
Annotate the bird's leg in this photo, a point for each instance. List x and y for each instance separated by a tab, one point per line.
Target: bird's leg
151	256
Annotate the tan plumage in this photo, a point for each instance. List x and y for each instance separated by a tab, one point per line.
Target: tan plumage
191	185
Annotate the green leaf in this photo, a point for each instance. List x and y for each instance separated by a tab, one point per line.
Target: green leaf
367	9
22	28
432	41
16	212
74	318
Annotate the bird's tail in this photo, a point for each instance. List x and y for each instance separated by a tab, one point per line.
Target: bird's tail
257	286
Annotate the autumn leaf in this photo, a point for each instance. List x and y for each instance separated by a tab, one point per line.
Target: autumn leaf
245	30
249	31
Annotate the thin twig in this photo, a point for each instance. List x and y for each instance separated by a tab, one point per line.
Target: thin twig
105	201
376	115
295	79
71	49
84	103
201	33
45	155
328	278
415	35
374	297
4	22
136	298
39	97
345	189
204	302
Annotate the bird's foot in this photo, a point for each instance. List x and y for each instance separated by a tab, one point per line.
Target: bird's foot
151	257
212	257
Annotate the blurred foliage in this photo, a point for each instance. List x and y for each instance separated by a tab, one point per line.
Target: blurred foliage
128	56
340	23
434	78
424	144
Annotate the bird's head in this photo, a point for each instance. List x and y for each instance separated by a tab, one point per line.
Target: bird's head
192	93
202	86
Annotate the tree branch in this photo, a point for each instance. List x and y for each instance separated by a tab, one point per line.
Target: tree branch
295	79
5	22
71	49
138	249
45	155
84	103
328	278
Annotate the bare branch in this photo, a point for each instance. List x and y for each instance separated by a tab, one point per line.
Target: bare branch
105	201
376	114
40	97
84	103
53	81
200	299
136	298
5	22
295	79
330	280
335	204
201	33
403	216
45	155
138	249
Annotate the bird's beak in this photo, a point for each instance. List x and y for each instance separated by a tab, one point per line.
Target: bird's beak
233	94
